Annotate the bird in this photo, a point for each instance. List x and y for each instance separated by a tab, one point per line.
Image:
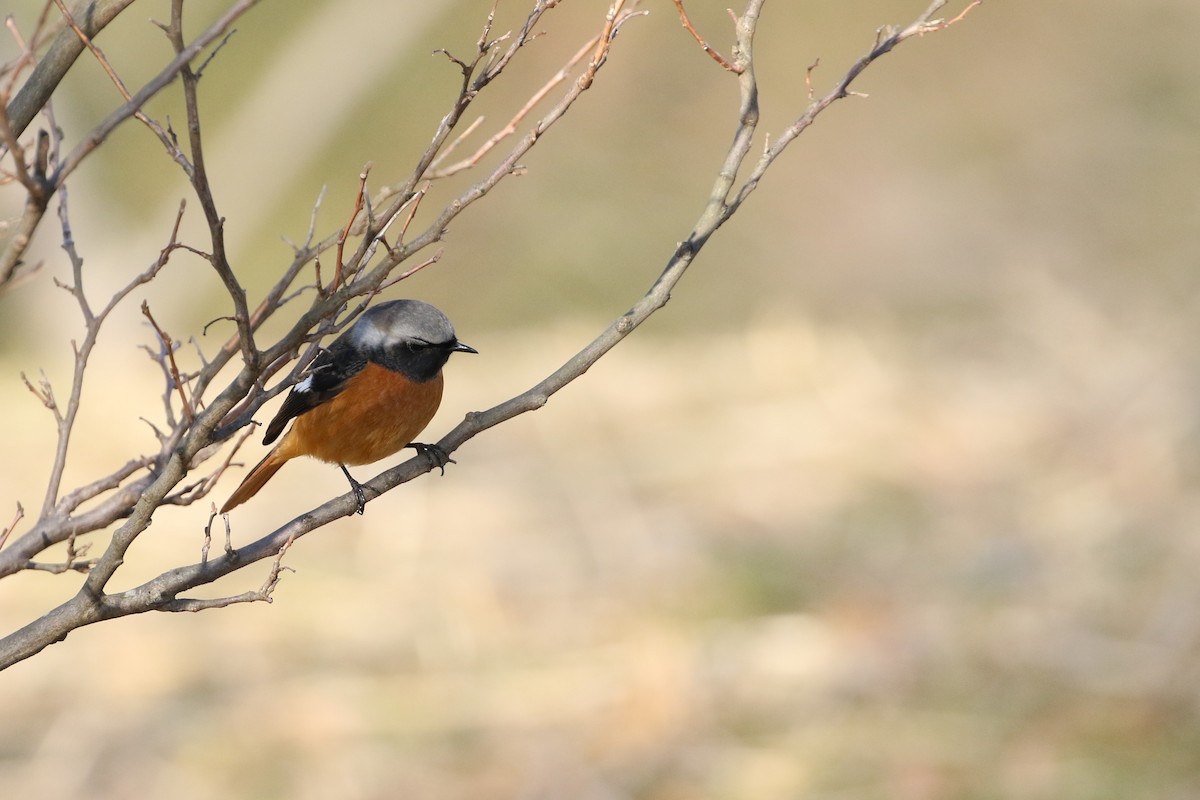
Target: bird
366	397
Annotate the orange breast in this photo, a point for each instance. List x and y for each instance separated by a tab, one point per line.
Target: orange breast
377	414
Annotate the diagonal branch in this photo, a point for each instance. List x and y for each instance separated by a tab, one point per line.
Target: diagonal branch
93	16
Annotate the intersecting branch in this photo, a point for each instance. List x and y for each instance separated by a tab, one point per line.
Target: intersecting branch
205	422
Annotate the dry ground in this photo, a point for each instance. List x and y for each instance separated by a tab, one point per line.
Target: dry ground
797	561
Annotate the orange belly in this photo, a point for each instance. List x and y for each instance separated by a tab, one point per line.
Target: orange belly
377	414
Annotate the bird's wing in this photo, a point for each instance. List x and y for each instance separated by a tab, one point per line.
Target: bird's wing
326	379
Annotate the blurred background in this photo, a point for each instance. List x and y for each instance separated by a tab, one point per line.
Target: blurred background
897	498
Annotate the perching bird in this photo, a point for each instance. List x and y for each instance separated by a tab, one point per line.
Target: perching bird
366	397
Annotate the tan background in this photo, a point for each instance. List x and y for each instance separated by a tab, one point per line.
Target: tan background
896	499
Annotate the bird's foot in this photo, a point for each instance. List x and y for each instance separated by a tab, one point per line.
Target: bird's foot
440	457
359	495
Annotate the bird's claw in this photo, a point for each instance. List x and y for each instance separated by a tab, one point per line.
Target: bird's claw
440	457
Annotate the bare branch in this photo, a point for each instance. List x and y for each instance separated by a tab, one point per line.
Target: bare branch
50	70
151	88
71	561
60	568
200	183
74	499
265	593
715	214
93	322
189	443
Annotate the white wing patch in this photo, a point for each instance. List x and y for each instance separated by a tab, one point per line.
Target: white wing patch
304	385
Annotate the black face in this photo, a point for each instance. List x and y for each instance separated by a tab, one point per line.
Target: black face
419	360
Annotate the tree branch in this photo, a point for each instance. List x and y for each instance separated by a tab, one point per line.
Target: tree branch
93	16
15	246
189	440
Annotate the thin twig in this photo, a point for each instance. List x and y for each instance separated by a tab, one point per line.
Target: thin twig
413	205
408	273
198	175
264	594
59	568
808	84
53	65
450	148
687	23
204	548
511	128
339	265
885	41
168	346
939	25
167	140
17	517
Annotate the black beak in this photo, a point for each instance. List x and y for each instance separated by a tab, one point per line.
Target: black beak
459	347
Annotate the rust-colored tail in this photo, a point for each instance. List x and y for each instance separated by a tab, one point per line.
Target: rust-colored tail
257	478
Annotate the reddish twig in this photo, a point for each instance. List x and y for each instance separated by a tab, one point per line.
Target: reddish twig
12	525
168	345
942	24
511	127
687	23
339	266
808	78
